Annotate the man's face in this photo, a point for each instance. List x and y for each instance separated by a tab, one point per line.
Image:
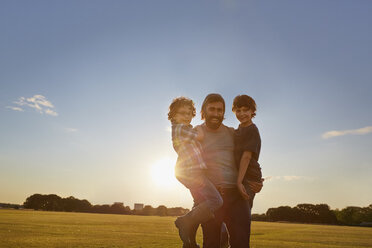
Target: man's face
213	115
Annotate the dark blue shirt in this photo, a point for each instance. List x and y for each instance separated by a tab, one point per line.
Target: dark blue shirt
248	139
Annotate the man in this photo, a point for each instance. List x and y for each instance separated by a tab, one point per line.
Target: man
218	154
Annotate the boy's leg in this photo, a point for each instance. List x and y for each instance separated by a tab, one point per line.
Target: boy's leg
249	192
203	191
188	233
210	201
210	194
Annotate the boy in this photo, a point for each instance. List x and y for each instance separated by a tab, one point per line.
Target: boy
190	169
247	146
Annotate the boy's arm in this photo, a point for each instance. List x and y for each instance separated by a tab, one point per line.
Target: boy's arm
200	133
256	186
185	133
244	163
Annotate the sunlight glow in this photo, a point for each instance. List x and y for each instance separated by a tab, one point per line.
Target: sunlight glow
162	172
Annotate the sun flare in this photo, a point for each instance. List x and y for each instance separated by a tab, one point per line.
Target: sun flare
162	172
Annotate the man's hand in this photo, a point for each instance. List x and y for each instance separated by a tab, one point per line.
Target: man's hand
256	186
242	191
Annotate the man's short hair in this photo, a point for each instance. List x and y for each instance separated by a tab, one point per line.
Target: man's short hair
213	97
180	102
244	101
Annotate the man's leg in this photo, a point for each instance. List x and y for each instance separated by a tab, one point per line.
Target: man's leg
238	221
211	234
224	237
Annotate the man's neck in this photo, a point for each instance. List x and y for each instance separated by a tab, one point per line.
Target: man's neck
211	129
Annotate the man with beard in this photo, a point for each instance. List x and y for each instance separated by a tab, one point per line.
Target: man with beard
218	154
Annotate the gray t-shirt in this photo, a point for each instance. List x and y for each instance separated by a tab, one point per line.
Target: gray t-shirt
218	154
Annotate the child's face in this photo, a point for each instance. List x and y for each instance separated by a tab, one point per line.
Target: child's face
244	115
183	115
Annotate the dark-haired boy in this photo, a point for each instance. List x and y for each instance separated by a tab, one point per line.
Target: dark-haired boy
247	145
190	169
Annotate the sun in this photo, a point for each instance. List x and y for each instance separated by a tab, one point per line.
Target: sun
162	172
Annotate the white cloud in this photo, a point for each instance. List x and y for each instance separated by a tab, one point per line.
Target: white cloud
292	178
15	108
38	102
51	112
71	130
360	131
289	178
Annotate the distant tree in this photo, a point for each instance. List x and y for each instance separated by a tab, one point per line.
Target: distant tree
104	209
85	206
70	204
117	208
177	211
148	210
368	214
127	210
10	205
33	202
325	214
352	215
53	203
306	213
161	210
44	202
283	213
259	217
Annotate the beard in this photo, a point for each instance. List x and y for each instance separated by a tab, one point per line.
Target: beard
213	122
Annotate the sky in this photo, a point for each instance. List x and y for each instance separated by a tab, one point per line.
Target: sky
85	88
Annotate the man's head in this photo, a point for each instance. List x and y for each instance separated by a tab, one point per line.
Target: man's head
181	110
213	110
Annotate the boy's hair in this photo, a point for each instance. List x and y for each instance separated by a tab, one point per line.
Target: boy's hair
214	97
244	101
180	102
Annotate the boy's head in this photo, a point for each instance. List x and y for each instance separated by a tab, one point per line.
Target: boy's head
181	110
244	107
213	110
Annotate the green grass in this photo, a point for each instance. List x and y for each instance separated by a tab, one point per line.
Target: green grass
20	228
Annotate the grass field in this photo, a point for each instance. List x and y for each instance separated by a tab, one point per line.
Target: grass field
19	228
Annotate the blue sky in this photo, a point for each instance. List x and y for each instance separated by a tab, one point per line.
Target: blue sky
85	88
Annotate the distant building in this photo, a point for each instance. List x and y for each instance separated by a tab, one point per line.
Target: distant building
119	203
138	206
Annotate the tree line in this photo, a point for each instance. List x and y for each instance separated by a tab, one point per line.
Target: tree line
318	214
54	202
302	213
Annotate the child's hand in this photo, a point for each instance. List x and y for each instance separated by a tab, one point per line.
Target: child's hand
200	135
256	186
242	191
